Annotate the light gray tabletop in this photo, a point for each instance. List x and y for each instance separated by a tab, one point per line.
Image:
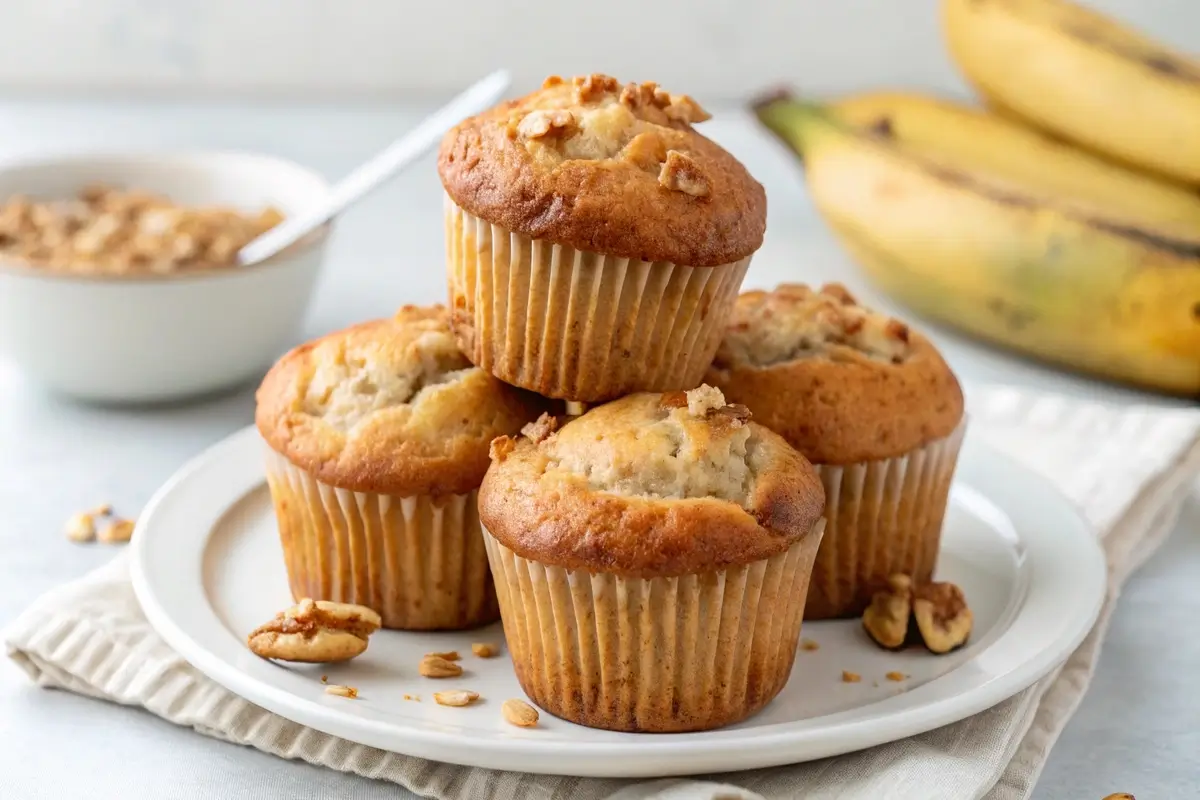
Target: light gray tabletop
1136	730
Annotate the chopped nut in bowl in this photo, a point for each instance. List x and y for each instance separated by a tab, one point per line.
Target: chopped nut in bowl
117	274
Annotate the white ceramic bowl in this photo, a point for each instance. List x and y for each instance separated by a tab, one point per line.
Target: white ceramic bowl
160	337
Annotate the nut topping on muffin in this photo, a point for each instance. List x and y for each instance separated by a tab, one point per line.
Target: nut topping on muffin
827	323
681	174
541	122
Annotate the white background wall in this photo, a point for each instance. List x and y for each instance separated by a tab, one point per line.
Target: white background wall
715	49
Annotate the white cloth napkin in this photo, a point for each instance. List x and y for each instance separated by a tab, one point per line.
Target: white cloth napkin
1128	469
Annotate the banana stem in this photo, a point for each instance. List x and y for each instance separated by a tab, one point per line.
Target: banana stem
791	119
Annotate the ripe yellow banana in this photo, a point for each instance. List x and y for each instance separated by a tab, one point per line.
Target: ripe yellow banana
1082	76
1099	294
961	137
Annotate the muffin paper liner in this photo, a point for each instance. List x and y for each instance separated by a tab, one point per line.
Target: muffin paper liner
419	561
578	325
882	517
653	654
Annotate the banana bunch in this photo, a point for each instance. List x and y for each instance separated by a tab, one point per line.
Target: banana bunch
1006	232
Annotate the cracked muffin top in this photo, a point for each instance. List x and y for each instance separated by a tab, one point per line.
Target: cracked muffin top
843	384
650	485
389	406
605	167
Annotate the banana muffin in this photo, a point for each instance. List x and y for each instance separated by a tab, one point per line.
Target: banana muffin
378	439
651	558
874	406
595	241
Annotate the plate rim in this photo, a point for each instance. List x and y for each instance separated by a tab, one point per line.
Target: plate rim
677	754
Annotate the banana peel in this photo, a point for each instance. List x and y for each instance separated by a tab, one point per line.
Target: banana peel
1016	265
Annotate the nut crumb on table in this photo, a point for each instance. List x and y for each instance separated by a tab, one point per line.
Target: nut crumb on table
456	697
341	691
81	527
850	677
434	666
413	697
809	645
485	649
116	531
896	676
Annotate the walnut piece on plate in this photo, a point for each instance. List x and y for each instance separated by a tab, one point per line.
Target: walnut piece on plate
886	620
315	632
942	616
934	614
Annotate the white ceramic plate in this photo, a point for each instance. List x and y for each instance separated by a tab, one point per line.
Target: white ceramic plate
207	568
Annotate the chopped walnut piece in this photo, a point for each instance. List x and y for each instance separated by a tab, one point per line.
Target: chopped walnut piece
81	527
935	614
636	95
437	667
942	617
316	632
850	677
704	400
896	676
116	531
684	109
840	293
456	697
897	330
735	414
676	400
886	620
541	429
647	150
519	713
500	448
680	173
485	649
544	122
341	691
589	88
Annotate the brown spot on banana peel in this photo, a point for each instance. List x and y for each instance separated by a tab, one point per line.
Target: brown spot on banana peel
1162	62
1179	248
1015	319
882	128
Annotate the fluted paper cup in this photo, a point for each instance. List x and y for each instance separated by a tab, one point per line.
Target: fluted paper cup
577	325
882	517
419	561
653	654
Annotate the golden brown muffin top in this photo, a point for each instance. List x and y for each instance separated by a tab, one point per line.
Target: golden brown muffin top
840	382
389	406
612	169
650	485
